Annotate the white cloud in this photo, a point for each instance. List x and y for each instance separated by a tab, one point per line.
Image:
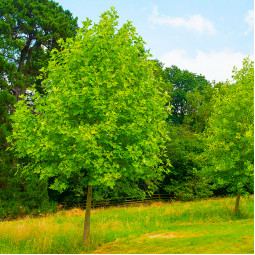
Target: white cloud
216	66
195	22
249	18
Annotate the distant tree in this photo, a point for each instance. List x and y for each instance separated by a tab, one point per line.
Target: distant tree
29	30
185	180
230	135
190	104
199	108
102	116
184	82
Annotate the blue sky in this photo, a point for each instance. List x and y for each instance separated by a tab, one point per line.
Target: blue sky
206	37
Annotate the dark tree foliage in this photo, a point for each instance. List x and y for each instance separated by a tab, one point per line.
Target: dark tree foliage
183	82
29	30
185	180
190	105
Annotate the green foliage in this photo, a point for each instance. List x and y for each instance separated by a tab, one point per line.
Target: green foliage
191	102
184	83
185	181
199	108
29	31
24	194
230	134
102	115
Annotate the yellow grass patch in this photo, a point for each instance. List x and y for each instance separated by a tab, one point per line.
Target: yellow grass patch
168	235
165	235
74	212
156	204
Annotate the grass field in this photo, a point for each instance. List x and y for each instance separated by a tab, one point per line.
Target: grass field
207	226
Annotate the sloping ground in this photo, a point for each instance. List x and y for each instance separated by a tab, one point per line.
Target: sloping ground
224	238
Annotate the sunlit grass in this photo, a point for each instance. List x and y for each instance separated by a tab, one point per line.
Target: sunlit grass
196	224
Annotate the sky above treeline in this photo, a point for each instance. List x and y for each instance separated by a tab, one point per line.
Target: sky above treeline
206	37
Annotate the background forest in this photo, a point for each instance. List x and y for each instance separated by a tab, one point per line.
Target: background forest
209	149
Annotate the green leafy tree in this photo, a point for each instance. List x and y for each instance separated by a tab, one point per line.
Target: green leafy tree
230	134
185	180
102	116
199	108
184	82
190	103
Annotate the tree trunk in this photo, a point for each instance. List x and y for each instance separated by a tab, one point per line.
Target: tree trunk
23	55
87	216
17	90
237	202
29	56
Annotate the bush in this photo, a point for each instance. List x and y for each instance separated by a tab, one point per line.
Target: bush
24	194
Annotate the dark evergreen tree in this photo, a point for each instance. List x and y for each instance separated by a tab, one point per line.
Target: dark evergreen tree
29	30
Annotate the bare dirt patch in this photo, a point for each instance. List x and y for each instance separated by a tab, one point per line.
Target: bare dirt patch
168	235
165	235
186	224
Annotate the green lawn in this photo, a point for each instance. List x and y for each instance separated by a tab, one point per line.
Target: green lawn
228	237
207	226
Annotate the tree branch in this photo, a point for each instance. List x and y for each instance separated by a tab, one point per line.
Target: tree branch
30	51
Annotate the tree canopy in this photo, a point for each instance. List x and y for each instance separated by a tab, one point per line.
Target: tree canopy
103	114
184	82
230	135
29	31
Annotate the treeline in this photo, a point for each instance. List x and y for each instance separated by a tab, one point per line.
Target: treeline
209	145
